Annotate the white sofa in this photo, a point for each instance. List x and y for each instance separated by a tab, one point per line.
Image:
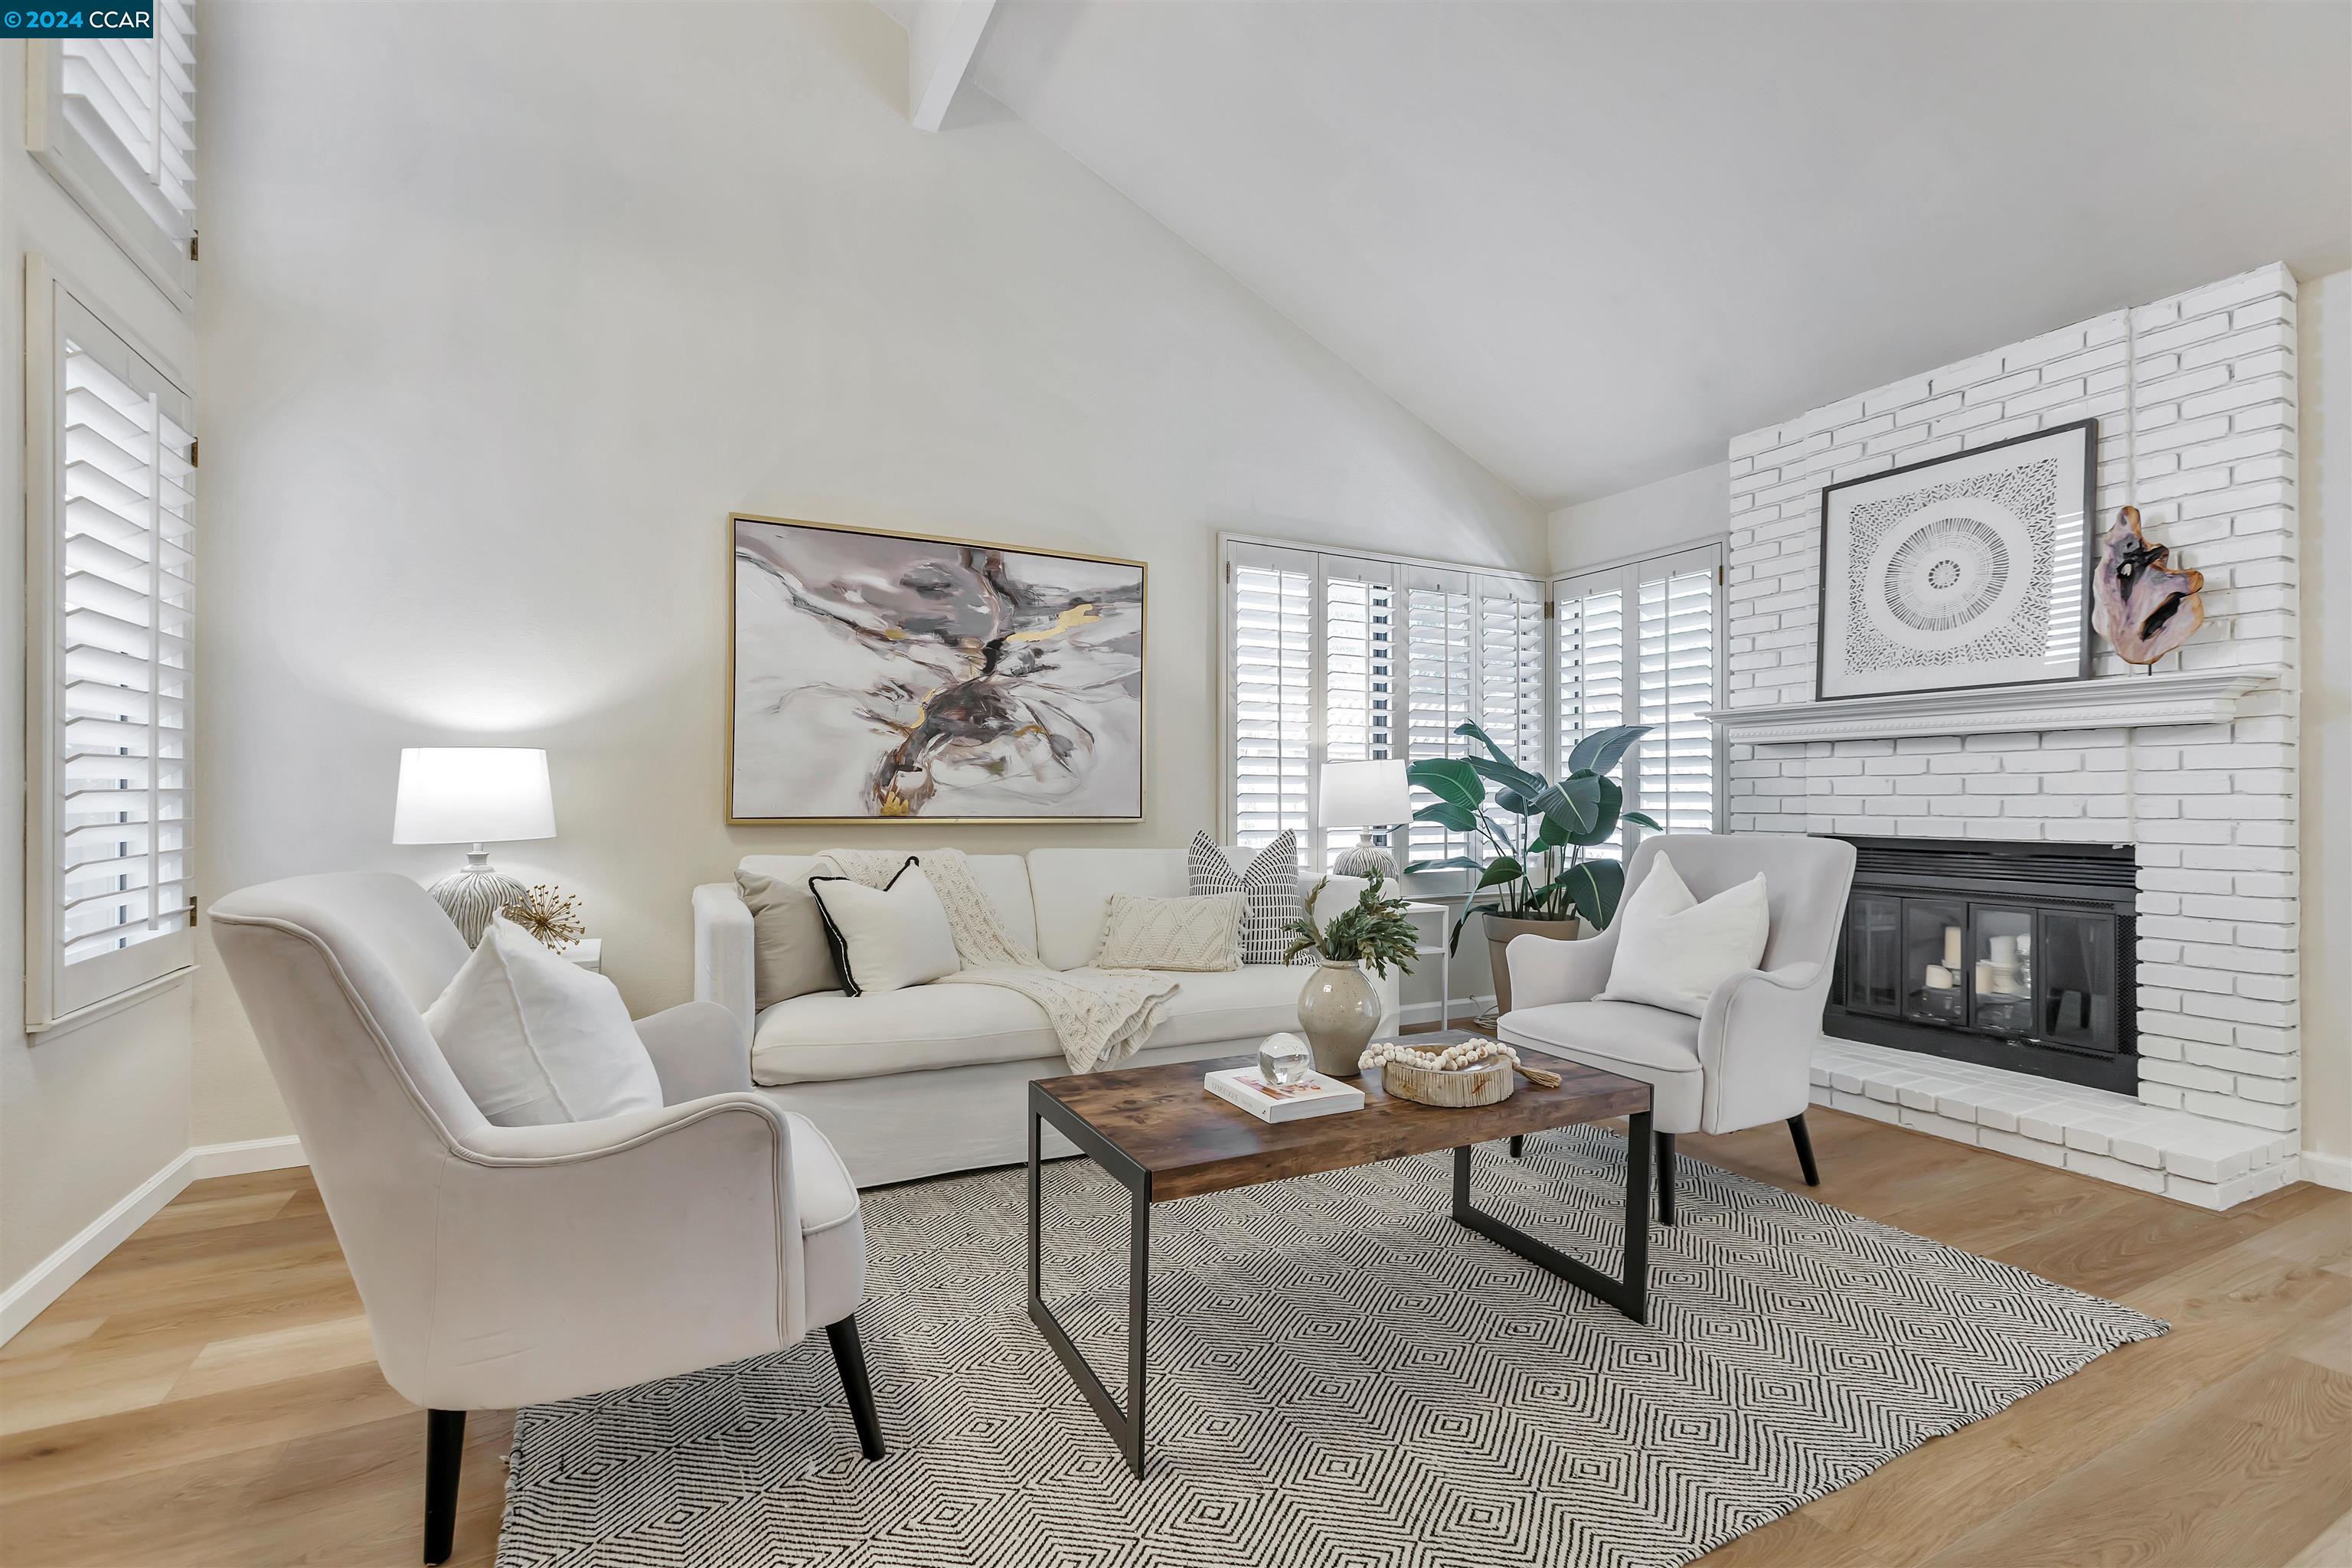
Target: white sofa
935	1078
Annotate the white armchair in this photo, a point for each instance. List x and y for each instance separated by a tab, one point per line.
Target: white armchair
1748	1059
509	1266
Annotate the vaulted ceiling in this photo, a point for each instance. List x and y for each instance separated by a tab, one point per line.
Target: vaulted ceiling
1590	242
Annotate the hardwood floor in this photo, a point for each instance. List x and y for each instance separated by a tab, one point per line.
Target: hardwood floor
207	1395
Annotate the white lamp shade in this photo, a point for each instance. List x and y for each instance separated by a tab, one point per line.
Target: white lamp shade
472	795
1363	795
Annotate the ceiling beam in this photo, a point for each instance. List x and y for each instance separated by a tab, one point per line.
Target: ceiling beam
942	39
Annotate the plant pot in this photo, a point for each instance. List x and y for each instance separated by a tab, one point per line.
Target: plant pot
1338	1010
1500	931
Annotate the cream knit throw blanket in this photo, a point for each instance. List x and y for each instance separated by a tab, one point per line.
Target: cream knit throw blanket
1100	1015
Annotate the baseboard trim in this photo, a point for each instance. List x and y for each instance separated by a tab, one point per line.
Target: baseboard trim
210	1160
2328	1171
42	1284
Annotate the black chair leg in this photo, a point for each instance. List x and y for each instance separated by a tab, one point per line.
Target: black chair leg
849	1355
1666	1163
1804	1149
1518	1142
444	1452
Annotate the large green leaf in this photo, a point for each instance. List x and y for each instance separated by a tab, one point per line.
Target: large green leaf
1446	814
1453	943
1643	819
1574	804
1470	729
1450	779
1598	752
1451	863
1507	777
1502	868
1609	801
1550	834
1594	887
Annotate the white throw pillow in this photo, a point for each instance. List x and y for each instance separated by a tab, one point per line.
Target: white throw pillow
1201	935
535	1039
1673	951
888	938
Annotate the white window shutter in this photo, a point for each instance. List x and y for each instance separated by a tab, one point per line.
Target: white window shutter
1675	763
1638	644
114	120
1269	636
1511	666
1439	692
1362	667
109	642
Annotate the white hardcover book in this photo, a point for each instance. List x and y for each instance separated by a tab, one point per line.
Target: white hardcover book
1317	1096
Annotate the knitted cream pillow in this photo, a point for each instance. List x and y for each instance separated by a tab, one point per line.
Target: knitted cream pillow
1194	934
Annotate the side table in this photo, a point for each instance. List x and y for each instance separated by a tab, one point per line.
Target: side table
1436	947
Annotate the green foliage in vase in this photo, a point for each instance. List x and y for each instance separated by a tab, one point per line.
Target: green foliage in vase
1538	830
1374	931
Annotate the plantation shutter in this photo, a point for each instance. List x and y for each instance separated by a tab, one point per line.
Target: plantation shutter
1341	656
1675	763
1362	655
1638	643
1269	639
132	102
1439	688
1511	666
109	639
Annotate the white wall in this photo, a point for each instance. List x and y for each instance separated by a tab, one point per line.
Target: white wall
2325	306
1672	513
90	1112
506	311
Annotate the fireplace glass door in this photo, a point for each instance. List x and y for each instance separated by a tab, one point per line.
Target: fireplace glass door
2079	984
2001	970
1873	955
1934	949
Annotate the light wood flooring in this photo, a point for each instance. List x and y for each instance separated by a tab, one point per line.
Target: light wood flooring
206	1394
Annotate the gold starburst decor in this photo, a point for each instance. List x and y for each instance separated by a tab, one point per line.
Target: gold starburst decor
549	914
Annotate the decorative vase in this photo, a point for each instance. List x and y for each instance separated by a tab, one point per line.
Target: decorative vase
1338	1011
1501	930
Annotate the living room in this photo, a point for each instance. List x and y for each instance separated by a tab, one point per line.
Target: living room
1699	629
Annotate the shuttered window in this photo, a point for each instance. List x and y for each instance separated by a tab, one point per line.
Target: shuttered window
110	635
114	119
1640	644
1348	658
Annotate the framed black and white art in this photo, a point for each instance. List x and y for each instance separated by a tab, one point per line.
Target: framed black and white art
882	677
1964	570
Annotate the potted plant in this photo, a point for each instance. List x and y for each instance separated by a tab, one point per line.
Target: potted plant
1538	831
1339	1010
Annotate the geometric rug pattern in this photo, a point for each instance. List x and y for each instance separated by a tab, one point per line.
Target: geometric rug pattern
1340	1376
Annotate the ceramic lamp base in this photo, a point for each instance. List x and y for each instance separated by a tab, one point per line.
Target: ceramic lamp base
471	895
1364	861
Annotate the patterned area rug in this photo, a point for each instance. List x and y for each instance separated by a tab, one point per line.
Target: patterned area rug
1339	1375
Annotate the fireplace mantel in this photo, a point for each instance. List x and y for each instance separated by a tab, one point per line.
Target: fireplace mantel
2110	703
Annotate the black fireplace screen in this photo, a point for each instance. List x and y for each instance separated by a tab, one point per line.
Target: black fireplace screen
2014	955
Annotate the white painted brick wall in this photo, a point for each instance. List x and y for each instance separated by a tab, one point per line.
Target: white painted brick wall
2211	810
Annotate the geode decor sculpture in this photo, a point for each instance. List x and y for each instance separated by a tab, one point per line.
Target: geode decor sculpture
2146	608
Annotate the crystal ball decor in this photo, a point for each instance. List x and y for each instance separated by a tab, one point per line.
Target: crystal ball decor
1285	1059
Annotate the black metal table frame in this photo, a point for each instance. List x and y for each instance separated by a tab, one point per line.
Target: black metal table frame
1629	1293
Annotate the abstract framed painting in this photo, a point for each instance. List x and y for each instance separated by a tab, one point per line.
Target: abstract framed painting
1963	571
882	677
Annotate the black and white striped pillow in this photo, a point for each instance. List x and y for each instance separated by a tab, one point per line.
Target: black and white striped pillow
1270	883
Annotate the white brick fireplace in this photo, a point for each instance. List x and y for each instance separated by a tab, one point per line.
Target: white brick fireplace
2195	767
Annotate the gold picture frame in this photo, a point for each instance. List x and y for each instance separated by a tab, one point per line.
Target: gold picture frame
1055	720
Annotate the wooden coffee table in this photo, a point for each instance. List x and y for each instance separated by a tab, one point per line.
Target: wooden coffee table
1163	1136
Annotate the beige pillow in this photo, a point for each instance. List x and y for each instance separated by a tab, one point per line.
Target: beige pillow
1193	934
790	955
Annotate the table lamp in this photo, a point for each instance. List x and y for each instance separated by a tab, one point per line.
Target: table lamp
477	796
1363	795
